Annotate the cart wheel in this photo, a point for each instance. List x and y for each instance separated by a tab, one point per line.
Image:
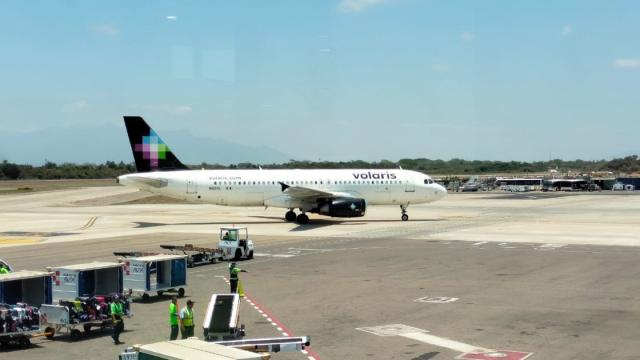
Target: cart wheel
87	328
50	332
250	256
160	293
24	341
75	334
145	297
181	292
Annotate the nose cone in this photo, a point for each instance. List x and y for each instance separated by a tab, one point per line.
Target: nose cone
440	192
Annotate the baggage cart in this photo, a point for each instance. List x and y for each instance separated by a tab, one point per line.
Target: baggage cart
86	280
221	321
59	319
197	255
26	287
170	274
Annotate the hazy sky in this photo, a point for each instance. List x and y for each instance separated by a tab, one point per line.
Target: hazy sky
335	79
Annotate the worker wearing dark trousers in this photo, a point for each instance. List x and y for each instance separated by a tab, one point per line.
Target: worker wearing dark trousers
117	314
186	320
234	270
174	319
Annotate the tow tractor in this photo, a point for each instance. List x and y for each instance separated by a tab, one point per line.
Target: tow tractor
234	244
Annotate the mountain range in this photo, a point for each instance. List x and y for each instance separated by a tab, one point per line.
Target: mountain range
100	143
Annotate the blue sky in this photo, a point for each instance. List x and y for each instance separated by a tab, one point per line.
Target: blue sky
335	80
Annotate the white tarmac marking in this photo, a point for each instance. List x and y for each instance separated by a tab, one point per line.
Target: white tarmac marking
479	243
444	342
550	246
422	336
437	299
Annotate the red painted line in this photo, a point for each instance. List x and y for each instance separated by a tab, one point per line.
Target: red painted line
310	352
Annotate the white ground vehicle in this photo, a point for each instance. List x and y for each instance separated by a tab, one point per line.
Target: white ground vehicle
235	243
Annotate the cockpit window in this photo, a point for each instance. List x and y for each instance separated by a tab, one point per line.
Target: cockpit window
428	181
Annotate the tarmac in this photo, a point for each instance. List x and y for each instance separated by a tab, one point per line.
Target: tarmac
474	276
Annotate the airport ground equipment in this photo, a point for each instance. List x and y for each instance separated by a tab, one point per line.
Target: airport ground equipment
189	349
2	262
272	345
86	280
222	318
170	274
235	243
31	287
22	293
69	316
197	255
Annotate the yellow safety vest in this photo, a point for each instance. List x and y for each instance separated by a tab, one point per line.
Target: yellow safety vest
188	317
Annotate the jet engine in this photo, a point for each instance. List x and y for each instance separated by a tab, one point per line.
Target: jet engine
342	207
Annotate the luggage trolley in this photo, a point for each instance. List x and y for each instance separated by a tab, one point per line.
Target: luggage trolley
159	273
222	317
21	293
72	283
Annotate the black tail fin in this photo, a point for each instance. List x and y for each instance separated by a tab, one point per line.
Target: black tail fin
149	151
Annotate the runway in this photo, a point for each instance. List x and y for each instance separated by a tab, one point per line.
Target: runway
530	276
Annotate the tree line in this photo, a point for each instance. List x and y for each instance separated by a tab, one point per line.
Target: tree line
111	169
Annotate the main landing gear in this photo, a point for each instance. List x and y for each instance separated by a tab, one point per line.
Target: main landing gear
404	216
302	218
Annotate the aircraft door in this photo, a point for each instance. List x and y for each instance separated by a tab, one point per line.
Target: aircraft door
409	186
192	187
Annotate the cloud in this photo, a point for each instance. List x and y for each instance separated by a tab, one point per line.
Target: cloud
183	110
627	63
440	67
171	17
325	50
467	36
349	6
567	30
77	106
106	29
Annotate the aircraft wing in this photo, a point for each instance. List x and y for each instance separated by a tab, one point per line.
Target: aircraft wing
309	194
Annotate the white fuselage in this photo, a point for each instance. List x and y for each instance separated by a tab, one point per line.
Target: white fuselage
263	187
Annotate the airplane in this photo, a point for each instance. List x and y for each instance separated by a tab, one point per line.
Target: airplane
343	193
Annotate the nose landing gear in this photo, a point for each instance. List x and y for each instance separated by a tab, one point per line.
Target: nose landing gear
404	216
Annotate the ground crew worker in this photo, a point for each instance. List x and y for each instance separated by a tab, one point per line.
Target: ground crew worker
186	320
174	319
4	269
117	314
234	270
